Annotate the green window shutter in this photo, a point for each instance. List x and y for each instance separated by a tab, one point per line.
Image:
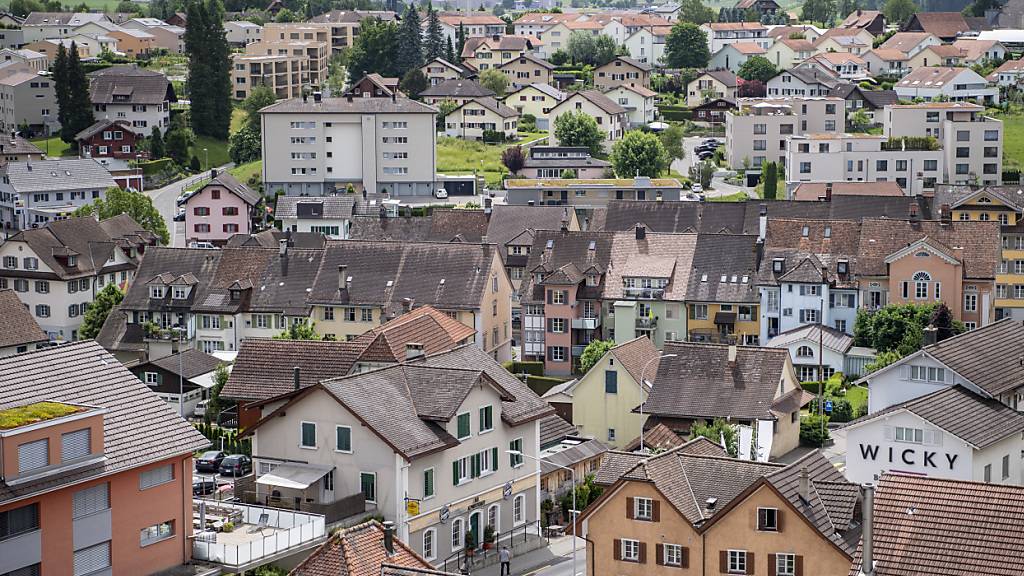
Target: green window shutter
475	465
512	457
483	419
494	458
428	483
455	473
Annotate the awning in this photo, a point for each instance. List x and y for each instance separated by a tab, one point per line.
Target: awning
291	476
725	318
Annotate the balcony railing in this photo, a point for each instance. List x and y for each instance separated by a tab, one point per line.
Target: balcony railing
251	542
644	293
646	323
586	323
577	350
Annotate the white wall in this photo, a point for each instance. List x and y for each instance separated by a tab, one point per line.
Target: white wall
872	449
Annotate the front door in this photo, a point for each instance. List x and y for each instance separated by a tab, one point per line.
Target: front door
475	522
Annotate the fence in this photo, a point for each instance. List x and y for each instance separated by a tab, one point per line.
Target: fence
332	512
292	530
518	534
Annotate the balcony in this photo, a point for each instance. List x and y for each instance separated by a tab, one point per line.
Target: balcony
646	323
577	350
586	323
644	293
257	535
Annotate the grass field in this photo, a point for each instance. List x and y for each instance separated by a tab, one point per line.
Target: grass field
858	397
455	156
57	147
248	170
1013	140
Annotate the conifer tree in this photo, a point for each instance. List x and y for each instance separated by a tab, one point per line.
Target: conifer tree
410	41
435	47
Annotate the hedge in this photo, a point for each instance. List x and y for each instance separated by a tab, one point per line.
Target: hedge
517	367
675	113
541	384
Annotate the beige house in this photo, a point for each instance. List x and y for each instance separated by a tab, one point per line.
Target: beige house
756	132
910	43
475	118
282	73
852	40
887	62
622	71
457	90
536	99
733	56
638	102
166	36
711	85
527	69
788	52
315	52
439	70
344	24
557	36
611	118
133	43
485	52
33	60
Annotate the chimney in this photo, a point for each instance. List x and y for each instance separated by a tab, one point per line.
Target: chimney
762	222
348	97
413	350
389	537
867	565
295	377
732	355
945	214
342	277
282	247
488	205
318	97
407	304
913	213
641	232
931	335
828	192
804	488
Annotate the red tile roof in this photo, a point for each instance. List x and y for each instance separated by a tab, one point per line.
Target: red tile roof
359	551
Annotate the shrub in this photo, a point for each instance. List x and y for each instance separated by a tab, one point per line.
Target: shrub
814	430
228	527
494	136
520	367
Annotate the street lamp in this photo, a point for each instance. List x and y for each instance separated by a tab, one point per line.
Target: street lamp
181	371
643	391
574	510
206	159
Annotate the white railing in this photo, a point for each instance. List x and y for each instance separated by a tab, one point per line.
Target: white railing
292	530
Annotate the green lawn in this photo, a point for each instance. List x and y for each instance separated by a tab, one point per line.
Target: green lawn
248	170
858	398
57	147
737	197
217	150
1013	140
455	156
238	117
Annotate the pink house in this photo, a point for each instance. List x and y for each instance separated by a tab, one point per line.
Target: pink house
221	208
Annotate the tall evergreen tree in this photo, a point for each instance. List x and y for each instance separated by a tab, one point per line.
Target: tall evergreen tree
209	82
450	52
435	47
220	71
410	40
460	43
156	145
198	63
79	112
60	85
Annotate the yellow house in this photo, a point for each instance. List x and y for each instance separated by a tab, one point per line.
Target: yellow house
603	399
721	299
536	99
1000	204
494	51
716	322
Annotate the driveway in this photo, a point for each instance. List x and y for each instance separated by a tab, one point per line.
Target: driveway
719	187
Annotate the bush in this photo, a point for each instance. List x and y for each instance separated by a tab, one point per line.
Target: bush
541	384
228	527
520	367
842	410
814	430
675	113
494	136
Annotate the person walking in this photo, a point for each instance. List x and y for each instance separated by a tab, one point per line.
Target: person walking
505	557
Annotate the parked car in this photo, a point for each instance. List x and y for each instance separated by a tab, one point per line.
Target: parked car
180	215
203	486
236	465
204	245
711	142
440	193
697	189
200	409
210	461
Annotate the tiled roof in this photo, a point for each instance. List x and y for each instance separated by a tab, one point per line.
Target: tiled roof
932	76
340	16
117	335
724	76
941	24
904	41
829	337
536	60
988	357
457	88
656	255
272	239
978	243
747	48
660	438
455	19
494	105
614	464
226	180
728	256
508	221
581	452
635	355
19	145
566	247
61	174
264	367
699	382
138	429
359	551
554	429
100	125
193	363
337	207
939	527
627	60
955	195
73	19
17	326
860	18
600	100
425	325
142	86
814	191
505	42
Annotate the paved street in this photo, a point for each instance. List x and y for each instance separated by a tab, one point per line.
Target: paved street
718	183
554	560
165	201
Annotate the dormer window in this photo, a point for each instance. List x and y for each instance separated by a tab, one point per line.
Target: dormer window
236	295
777	265
842	267
828	231
180	292
156	291
805	231
72	261
592	280
538	277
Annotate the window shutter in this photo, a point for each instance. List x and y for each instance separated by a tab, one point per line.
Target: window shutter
799	562
685	558
455	473
659	554
565	296
548	293
778	519
629	507
550	322
92	559
32	455
74	445
617	549
494	459
723	562
474	465
758	524
643	552
771	565
655	511
750	562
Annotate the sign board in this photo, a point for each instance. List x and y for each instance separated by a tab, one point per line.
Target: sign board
828	406
444	513
506	491
412	507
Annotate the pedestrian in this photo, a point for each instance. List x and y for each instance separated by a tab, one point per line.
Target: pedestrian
464	569
505	557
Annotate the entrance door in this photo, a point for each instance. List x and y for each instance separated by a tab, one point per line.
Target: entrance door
475	527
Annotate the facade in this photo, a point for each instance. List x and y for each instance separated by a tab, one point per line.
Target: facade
476	119
133	43
101	484
786	52
34	193
439	70
374	86
611	117
241	32
136	95
472	23
182	379
803	80
954	84
647	45
165	36
535	99
332	142
219	209
552	161
622	71
814	346
309	39
327	215
720	34
526	70
722	303
711	85
494	51
732	56
345	24
285	74
589	193
757	131
29	99
638	102
109	139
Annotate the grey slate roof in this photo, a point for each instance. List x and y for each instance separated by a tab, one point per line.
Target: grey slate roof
699	382
193	363
141	85
225	179
579	453
457	88
272	239
603	102
60	174
656	256
101	124
263	366
346	106
319	207
988	357
729	255
830	337
566	247
117	335
74	19
508	221
554	429
138	429
496	106
17	325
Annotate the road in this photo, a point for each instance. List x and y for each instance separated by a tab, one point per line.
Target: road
554	560
165	201
719	187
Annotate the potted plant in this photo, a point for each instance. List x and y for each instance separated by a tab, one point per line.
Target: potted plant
489	537
470	543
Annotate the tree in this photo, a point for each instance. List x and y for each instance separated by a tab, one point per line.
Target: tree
61	89
605	50
882	360
245	145
443	110
494	80
258	99
97	312
513	159
717	431
695	11
900	327
194	164
580	47
220	378
135	204
899	11
672	140
847	7
414	82
942	320
434	46
209	69
814	430
373	50
177	143
299	331
156	145
859	121
593	353
752	89
285	16
586	493
686	47
449	52
823	11
559	57
770	177
579	129
757	68
410	40
639	153
702	173
73	87
460	43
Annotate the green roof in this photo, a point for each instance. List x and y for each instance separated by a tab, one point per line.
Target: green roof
36	412
611	182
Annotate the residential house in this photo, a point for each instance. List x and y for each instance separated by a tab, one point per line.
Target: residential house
327	215
333	142
222	207
241	32
34	60
910	43
87	46
284	74
843	65
34	193
952	432
720	34
527	69
888	63
947	26
872	102
721	298
18	149
12	38
953	84
757	131
537	24
786	53
183	379
19	329
42	25
711	85
805	80
1008	73
457	91
768	519
166	36
974	51
536	100
494	51
355	433
133	43
566	461
439	70
808	31
814	346
763	7
134	94
473	25
367	549
713	111
852	40
100	454
30	99
552	161
622	71
110	139
754	387
480	118
585	193
638	102
871	20
732	56
611	118
647	45
374	86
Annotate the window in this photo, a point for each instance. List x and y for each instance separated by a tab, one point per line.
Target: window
21	285
307	435
970	302
19	521
42	310
988	472
457	540
156	533
42	287
643	509
33	455
990	135
557	353
10	262
804	352
75	445
672	555
927	374
931	165
179	293
463	426
558	296
921	280
698	312
343	439
366	314
90	501
486	419
785	565
912	435
92	559
630	550
768	519
156	476
368	485
519	509
515	460
881	165
1006	466
428	483
154	291
428	544
611	382
558	325
736	562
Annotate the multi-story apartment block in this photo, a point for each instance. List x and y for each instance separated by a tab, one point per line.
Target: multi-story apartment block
285	74
345	24
57	269
473	24
34	193
946	83
648	44
720	34
133	94
443	466
315	50
319	145
722	301
756	132
241	32
972	143
166	36
42	25
97	469
916	165
27	97
219	209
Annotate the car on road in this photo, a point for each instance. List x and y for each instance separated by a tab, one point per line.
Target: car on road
236	465
711	142
184	197
203	486
205	245
697	189
705	155
179	216
210	461
440	193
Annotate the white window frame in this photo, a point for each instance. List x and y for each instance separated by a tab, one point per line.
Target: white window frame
301	435
916	435
518	510
374	474
767	528
159	533
481	424
643	508
430	553
672	554
630	551
433	483
736	562
152	379
785	564
458	537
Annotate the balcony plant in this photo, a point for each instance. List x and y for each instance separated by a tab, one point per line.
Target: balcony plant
470	543
489	537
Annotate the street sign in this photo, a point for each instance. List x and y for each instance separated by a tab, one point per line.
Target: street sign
444	513
412	507
828	406
506	491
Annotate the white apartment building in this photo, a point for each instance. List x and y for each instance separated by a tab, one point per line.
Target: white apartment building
756	131
33	193
721	34
863	158
241	32
955	84
317	145
638	102
26	97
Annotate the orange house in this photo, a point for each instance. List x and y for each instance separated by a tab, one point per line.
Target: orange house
133	42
